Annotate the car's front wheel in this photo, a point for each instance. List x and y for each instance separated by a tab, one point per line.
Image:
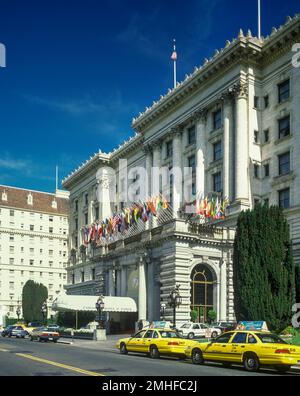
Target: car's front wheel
251	362
197	357
191	336
123	349
154	353
214	334
282	369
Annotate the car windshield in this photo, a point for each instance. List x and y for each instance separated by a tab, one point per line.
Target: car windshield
169	334
270	338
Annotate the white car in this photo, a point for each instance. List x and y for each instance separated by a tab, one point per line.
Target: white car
192	330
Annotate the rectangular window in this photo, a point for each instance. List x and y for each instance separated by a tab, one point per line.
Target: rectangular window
12	213
284	127
217	182
82	276
256	171
192	135
31	262
86	218
217	151
51	218
76	224
256	102
194	191
192	163
266	101
97	213
283	91
256	137
169	149
76	206
284	164
284	198
93	274
86	200
267	170
217	119
50	230
266	135
31	227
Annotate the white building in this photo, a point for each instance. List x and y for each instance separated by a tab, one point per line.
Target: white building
236	122
34	233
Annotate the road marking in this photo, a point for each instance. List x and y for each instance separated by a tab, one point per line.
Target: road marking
64	366
3	350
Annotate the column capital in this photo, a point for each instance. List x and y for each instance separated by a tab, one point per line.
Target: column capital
240	90
200	115
147	149
156	144
175	131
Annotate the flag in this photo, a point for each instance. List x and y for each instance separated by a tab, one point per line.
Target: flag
174	56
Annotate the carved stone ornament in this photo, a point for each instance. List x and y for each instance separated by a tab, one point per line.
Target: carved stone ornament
199	115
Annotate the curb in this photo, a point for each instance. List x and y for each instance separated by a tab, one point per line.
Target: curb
65	342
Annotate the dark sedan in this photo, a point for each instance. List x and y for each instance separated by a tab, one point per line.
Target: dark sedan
7	331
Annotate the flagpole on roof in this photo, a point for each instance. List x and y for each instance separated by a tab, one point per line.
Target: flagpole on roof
259	19
174	58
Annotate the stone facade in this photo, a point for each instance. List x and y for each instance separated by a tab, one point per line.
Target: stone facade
244	107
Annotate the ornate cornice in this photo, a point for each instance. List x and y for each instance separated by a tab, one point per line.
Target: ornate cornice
243	49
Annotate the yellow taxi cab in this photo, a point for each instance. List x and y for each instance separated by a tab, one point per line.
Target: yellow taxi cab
156	342
251	348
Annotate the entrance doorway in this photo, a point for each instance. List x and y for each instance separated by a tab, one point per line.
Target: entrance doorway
202	296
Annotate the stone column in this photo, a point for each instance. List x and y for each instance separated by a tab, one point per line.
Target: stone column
177	171
241	144
155	176
228	119
111	282
142	290
200	118
148	181
150	294
223	292
123	281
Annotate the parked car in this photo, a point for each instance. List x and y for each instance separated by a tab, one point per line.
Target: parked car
32	326
156	342
7	331
44	334
253	349
18	332
192	330
225	326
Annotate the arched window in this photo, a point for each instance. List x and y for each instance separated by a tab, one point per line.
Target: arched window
202	293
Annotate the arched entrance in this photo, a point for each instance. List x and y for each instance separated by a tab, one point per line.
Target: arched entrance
202	291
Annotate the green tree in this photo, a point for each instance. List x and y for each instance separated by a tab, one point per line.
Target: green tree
263	268
212	315
33	297
298	284
194	315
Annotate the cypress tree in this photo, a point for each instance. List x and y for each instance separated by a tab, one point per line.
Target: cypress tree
264	272
33	297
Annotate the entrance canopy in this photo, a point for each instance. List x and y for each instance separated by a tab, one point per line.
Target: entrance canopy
88	304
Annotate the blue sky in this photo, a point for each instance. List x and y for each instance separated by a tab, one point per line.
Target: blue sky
78	71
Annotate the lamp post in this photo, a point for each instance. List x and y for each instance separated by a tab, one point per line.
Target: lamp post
18	311
44	311
174	301
162	310
99	308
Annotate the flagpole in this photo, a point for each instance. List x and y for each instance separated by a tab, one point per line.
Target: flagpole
259	19
175	66
56	178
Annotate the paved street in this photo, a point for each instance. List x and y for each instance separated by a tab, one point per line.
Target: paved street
25	358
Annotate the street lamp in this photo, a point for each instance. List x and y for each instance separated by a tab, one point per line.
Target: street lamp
44	311
162	310
174	301
99	308
18	311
